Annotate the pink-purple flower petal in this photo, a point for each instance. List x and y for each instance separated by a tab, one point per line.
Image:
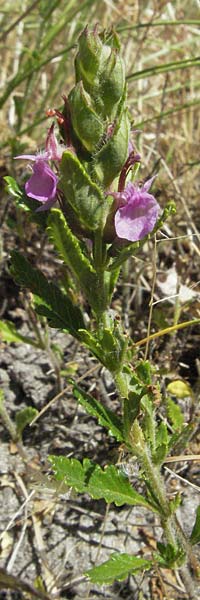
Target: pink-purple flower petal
137	217
43	183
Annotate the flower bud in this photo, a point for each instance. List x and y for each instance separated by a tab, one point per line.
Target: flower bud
109	160
101	70
112	82
86	123
88	59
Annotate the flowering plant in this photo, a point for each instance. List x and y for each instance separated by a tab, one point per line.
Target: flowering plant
98	217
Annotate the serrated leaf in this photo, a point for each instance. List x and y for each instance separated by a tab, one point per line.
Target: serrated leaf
24	417
105	417
85	197
113	486
180	389
195	535
175	414
108	483
68	246
71	471
9	333
117	567
50	300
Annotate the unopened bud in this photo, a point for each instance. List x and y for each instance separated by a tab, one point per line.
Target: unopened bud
88	59
112	81
110	159
101	69
86	123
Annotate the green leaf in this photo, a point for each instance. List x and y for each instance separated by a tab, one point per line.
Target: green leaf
9	333
175	414
170	556
112	343
195	535
51	302
69	249
117	567
162	443
85	197
12	187
174	503
144	371
108	483
114	486
105	417
135	391
71	471
93	344
24	417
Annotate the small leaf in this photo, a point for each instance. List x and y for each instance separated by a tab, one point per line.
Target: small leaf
8	333
175	503
93	344
117	567
50	300
170	556
162	443
12	187
135	391
107	483
24	417
195	535
144	371
105	417
175	415
180	389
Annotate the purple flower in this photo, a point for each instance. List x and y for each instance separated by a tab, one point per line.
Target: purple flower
42	183
137	213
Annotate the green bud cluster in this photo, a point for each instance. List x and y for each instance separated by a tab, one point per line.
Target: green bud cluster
99	121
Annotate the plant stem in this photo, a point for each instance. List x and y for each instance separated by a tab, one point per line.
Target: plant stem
10	426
